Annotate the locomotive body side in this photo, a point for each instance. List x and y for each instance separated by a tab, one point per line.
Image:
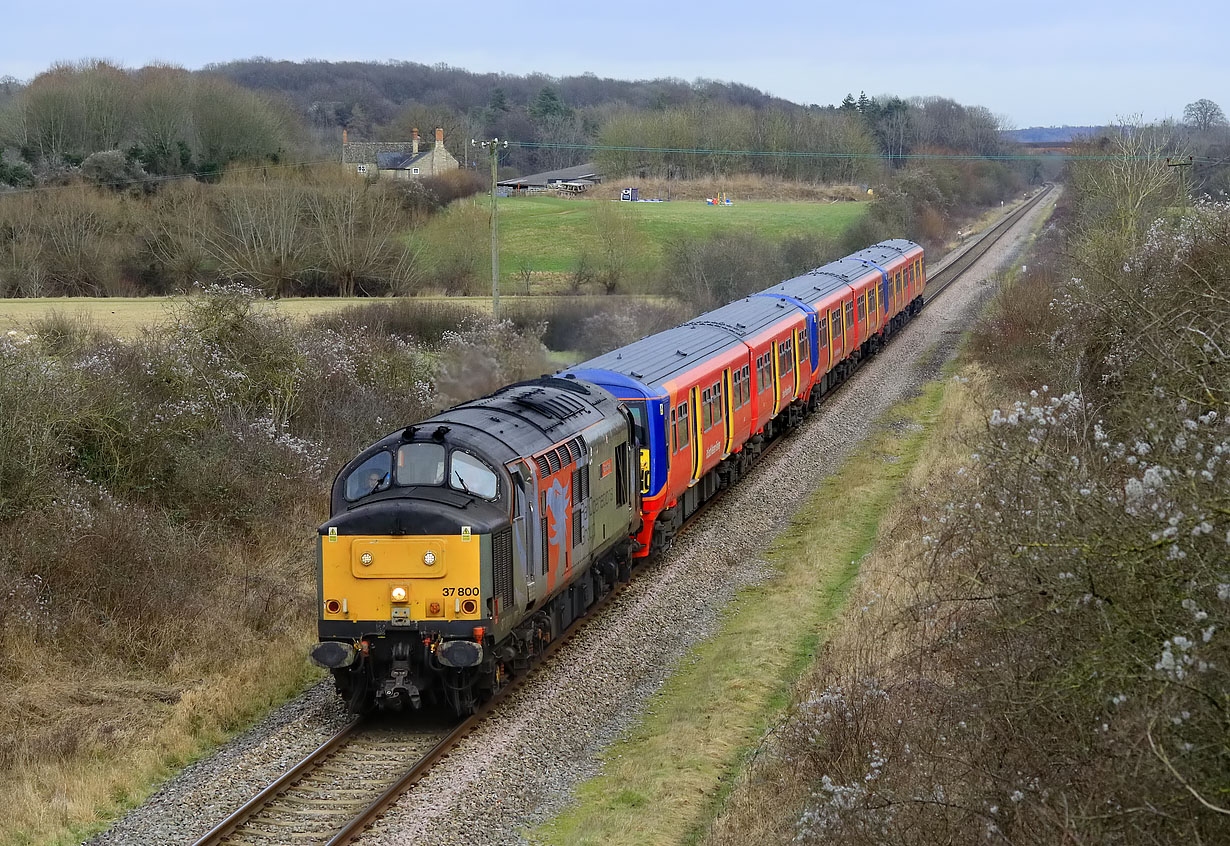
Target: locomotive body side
460	546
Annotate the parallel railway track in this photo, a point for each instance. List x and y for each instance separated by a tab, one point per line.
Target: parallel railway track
347	783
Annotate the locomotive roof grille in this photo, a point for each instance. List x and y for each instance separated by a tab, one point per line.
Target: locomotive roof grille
559	407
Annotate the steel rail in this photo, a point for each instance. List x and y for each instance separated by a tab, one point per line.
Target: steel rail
247	810
951	270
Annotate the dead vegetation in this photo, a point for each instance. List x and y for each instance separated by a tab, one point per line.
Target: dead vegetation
1036	650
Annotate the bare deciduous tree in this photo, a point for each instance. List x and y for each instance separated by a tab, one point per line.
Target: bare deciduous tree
1204	115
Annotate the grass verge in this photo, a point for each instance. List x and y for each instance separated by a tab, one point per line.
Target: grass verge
665	781
153	739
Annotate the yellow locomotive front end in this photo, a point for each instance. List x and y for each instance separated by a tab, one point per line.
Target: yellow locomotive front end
409	604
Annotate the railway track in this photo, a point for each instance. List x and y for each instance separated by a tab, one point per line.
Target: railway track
954	266
346	784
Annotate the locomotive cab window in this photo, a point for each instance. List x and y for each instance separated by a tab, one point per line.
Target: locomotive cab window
370	476
640	430
420	464
469	475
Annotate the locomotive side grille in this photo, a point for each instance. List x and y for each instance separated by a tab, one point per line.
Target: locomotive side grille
577	498
501	566
544	466
575	449
553	461
542	571
562	456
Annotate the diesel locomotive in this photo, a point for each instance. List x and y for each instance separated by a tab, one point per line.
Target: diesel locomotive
459	547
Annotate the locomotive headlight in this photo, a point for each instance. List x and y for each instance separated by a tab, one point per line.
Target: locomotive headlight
366	559
429	558
399	594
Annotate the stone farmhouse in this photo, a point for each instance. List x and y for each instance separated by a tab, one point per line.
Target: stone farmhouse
397	159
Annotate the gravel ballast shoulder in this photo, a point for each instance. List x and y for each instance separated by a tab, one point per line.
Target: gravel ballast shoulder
521	766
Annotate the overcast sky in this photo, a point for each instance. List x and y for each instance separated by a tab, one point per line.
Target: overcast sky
1038	62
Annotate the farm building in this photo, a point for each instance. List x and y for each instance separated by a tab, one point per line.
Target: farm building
568	179
398	159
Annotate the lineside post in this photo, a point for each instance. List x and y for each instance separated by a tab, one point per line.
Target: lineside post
493	150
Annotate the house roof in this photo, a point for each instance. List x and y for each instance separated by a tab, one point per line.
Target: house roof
399	161
586	171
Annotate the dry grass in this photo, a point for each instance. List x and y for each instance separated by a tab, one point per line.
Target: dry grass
864	638
663	782
126	316
740	187
125	736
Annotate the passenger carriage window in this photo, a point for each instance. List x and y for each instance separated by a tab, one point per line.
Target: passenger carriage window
736	383
786	358
420	464
717	403
862	308
707	413
674	433
747	383
849	324
803	345
835	315
370	476
468	474
871	300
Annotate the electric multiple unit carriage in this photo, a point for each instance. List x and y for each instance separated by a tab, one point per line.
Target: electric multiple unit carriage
459	547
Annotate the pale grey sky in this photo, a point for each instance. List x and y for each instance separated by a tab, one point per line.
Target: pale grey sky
1040	62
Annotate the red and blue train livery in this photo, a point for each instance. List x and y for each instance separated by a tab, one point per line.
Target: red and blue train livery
459	547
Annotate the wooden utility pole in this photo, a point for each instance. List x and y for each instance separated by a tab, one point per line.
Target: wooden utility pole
1182	163
493	150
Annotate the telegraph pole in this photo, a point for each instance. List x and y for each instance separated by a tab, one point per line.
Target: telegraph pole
493	150
1181	162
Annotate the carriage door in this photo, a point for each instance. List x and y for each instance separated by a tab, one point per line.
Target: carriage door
698	443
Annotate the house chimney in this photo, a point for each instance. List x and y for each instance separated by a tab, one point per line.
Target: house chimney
439	137
414	147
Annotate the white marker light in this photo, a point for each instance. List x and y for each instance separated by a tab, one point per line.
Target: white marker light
366	559
399	594
429	558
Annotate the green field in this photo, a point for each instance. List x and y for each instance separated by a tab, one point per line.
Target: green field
547	234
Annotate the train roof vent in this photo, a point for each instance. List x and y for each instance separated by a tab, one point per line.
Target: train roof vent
576	448
544	466
553	462
559	406
562	456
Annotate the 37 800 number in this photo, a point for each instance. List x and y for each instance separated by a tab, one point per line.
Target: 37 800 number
470	591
